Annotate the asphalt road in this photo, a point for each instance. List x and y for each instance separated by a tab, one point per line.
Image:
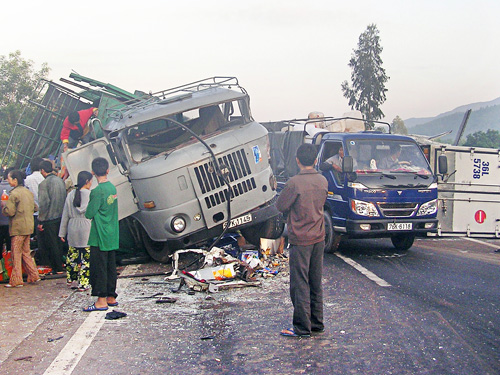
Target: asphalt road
433	310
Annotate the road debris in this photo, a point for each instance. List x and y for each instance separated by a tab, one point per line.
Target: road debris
201	270
57	338
27	358
115	315
166	300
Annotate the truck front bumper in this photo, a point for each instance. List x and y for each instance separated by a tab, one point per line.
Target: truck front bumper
259	215
379	228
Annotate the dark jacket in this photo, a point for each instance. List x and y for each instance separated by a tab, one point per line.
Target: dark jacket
51	198
302	200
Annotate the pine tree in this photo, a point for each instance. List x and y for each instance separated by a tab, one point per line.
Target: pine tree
368	77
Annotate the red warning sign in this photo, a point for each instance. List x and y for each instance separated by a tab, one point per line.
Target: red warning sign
480	216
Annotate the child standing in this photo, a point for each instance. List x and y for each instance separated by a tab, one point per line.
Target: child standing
103	239
76	226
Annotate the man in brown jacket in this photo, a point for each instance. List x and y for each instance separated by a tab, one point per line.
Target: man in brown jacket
302	200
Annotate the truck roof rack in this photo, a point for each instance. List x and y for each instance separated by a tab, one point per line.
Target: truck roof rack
175	94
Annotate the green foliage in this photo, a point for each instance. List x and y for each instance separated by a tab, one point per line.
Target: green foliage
490	139
368	77
398	126
18	80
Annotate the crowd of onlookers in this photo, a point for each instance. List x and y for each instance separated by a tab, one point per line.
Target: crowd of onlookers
76	230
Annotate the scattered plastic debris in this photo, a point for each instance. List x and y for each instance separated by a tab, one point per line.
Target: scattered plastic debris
202	270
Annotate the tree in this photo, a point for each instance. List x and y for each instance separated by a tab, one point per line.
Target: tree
398	126
368	77
490	139
18	81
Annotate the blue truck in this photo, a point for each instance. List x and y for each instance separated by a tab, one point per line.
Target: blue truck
384	187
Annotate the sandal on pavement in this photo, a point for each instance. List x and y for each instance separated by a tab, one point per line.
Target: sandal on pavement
13	286
113	304
291	333
94	308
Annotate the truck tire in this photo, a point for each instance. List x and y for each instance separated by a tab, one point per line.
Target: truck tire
158	251
402	242
271	228
332	238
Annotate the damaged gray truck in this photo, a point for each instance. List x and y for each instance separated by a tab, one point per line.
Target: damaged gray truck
189	163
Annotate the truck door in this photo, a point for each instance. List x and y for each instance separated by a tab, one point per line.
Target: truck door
337	201
80	159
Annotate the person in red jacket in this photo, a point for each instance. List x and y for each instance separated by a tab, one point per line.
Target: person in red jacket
75	127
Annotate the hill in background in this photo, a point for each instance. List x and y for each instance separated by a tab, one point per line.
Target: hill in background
484	116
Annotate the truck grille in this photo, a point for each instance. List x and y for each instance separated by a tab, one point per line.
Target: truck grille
398	209
238	174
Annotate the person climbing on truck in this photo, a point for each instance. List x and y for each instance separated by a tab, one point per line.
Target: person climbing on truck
76	127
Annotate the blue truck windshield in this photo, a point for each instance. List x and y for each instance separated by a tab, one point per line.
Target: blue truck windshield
389	163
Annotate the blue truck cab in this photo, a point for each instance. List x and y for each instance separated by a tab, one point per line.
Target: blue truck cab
382	185
385	188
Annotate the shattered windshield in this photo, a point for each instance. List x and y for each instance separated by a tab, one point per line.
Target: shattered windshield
161	135
389	163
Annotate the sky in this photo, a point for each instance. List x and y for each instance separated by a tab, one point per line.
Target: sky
290	55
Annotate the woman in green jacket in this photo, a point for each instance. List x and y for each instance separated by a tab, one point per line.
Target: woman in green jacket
20	208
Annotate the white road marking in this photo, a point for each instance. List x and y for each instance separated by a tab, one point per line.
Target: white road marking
78	344
481	242
370	275
76	347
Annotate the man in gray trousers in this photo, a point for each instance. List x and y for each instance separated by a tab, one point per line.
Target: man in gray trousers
302	200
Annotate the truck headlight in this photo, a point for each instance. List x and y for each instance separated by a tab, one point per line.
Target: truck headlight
178	224
428	208
364	208
357	185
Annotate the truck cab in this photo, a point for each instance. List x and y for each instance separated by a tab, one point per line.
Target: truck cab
189	163
379	192
382	187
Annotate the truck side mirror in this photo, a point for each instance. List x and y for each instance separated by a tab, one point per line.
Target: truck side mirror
347	164
442	164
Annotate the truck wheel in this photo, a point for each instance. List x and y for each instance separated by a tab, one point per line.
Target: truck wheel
159	251
332	238
272	229
403	242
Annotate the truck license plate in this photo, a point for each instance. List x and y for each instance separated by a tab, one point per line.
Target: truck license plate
399	226
239	221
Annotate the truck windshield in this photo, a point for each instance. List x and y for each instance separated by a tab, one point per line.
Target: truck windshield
163	134
389	163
